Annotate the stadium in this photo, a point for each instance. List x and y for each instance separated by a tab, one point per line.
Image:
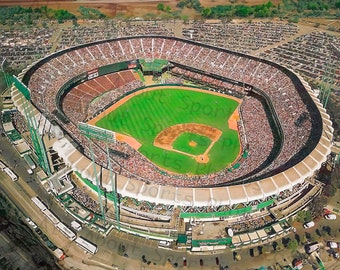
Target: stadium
156	114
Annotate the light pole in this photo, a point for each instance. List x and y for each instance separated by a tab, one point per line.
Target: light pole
8	81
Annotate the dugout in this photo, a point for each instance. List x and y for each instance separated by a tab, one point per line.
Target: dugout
154	67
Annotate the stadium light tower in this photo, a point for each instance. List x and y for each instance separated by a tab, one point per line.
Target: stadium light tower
33	127
326	84
6	76
106	136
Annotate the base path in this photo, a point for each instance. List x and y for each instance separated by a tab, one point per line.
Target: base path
166	137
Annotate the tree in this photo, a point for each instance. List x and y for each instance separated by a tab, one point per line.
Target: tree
185	19
242	11
317	206
160	7
304	216
327	229
28	19
63	15
269	4
293	245
297	238
90	13
313	237
303	239
279	247
206	12
335	177
181	4
329	190
294	19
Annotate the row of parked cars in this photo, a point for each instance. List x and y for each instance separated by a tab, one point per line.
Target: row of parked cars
334	248
311	224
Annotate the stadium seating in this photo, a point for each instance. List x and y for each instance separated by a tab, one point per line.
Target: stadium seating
288	105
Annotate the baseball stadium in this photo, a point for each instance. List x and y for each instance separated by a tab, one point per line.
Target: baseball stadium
164	134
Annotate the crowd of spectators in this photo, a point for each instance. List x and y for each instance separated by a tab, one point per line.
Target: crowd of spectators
80	195
89	98
107	30
103	101
249	222
288	105
19	122
147	207
298	188
240	37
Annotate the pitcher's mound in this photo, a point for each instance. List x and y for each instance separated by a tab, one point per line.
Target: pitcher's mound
192	143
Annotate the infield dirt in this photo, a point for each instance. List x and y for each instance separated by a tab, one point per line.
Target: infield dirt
166	138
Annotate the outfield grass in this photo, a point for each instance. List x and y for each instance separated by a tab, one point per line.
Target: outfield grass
148	113
182	143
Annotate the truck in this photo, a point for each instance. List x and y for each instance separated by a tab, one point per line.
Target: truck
76	226
310	248
2	166
11	174
59	254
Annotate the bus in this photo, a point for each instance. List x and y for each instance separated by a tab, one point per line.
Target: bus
76	226
39	203
11	174
51	217
163	243
29	162
66	231
86	245
2	166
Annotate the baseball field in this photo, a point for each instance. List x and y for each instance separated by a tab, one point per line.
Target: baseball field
180	129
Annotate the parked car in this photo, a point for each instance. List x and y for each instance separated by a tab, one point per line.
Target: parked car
31	223
330	217
332	244
309	224
163	243
184	261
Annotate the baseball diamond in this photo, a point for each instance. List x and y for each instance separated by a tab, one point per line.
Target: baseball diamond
159	124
